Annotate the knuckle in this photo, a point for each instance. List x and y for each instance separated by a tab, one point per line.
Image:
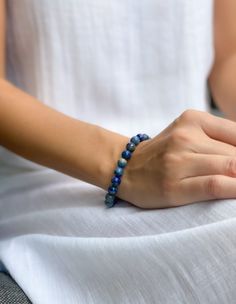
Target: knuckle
177	121
179	135
188	115
231	167
168	159
213	187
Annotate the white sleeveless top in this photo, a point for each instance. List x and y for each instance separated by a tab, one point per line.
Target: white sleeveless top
129	66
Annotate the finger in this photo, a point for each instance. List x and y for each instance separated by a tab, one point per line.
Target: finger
207	164
203	188
219	128
212	146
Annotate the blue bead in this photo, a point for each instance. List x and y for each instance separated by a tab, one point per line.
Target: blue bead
131	146
122	162
135	139
112	190
110	200
116	180
118	171
126	154
145	137
140	137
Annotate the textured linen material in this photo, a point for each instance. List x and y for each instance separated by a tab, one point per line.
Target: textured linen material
129	66
10	292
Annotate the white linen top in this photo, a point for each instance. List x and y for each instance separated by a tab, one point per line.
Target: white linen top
132	67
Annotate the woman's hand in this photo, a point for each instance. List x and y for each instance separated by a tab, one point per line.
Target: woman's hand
193	159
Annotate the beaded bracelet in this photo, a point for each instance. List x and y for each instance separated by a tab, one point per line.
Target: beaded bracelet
110	198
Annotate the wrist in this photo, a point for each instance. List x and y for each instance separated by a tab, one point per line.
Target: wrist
114	144
130	178
118	173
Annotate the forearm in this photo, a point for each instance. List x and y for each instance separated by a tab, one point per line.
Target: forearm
41	134
222	83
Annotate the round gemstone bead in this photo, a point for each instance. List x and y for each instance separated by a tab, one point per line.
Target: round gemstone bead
112	190
110	200
141	137
145	137
116	180
122	162
126	154
118	171
131	146
135	139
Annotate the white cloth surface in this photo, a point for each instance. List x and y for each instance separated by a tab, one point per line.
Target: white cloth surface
129	66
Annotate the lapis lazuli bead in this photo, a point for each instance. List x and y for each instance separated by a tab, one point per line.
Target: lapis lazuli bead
112	190
145	137
131	146
126	154
110	200
118	171
140	136
135	139
122	162
115	180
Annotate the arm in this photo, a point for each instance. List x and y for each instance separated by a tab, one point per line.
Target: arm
222	80
41	134
48	137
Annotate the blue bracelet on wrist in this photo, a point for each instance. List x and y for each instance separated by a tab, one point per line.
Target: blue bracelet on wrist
111	198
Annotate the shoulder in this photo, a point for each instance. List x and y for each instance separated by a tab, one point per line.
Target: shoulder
224	28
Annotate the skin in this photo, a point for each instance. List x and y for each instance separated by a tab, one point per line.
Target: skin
50	138
222	77
171	169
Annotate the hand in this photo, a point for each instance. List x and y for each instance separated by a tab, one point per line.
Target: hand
193	159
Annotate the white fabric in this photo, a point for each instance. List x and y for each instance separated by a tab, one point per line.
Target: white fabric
129	66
